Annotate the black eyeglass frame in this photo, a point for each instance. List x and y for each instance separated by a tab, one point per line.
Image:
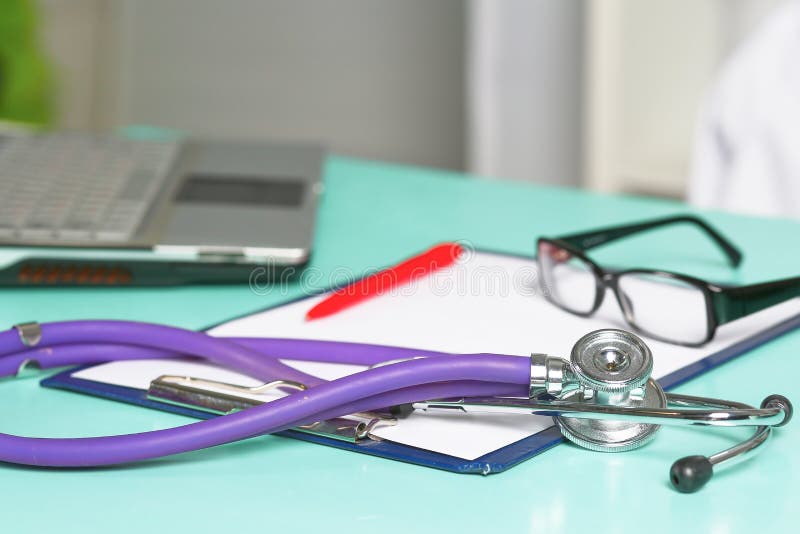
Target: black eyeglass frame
722	304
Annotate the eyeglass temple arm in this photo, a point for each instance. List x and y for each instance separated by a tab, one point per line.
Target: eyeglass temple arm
595	238
736	302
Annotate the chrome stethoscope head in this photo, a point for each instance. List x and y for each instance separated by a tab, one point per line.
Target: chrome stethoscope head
611	368
604	399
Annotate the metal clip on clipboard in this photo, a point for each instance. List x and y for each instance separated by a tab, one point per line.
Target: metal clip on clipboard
221	398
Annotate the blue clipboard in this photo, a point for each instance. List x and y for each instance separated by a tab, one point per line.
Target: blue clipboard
494	462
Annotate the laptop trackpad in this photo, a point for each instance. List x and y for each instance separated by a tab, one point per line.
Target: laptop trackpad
215	210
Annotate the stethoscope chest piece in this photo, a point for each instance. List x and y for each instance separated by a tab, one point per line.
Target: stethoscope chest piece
613	369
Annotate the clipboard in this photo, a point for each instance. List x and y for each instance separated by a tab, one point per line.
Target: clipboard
461	309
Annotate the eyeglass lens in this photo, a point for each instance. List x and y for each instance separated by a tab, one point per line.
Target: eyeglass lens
566	279
666	307
660	305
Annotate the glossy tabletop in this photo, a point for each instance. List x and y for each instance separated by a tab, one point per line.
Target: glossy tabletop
372	215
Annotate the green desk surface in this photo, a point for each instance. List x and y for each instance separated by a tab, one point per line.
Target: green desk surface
374	214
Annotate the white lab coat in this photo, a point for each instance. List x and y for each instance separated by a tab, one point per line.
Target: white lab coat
747	150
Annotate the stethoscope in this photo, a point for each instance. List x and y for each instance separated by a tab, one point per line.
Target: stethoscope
602	398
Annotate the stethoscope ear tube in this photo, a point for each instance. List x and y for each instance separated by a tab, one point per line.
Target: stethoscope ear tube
691	473
613	428
431	376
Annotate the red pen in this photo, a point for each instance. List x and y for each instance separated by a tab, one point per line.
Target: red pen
376	284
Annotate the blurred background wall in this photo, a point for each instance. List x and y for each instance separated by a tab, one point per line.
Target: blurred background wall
377	79
600	94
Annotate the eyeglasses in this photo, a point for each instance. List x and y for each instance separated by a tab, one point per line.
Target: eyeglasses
663	305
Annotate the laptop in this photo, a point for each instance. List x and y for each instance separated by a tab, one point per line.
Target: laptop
99	209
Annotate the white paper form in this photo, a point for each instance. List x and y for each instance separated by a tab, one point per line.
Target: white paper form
487	303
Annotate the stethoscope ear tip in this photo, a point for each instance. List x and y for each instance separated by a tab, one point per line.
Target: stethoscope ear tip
691	473
779	401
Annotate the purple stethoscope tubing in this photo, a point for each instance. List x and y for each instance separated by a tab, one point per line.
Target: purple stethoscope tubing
435	375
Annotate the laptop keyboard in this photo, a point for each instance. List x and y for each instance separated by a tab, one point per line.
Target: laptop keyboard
78	186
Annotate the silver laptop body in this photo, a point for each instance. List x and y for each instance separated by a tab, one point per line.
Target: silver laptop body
79	208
